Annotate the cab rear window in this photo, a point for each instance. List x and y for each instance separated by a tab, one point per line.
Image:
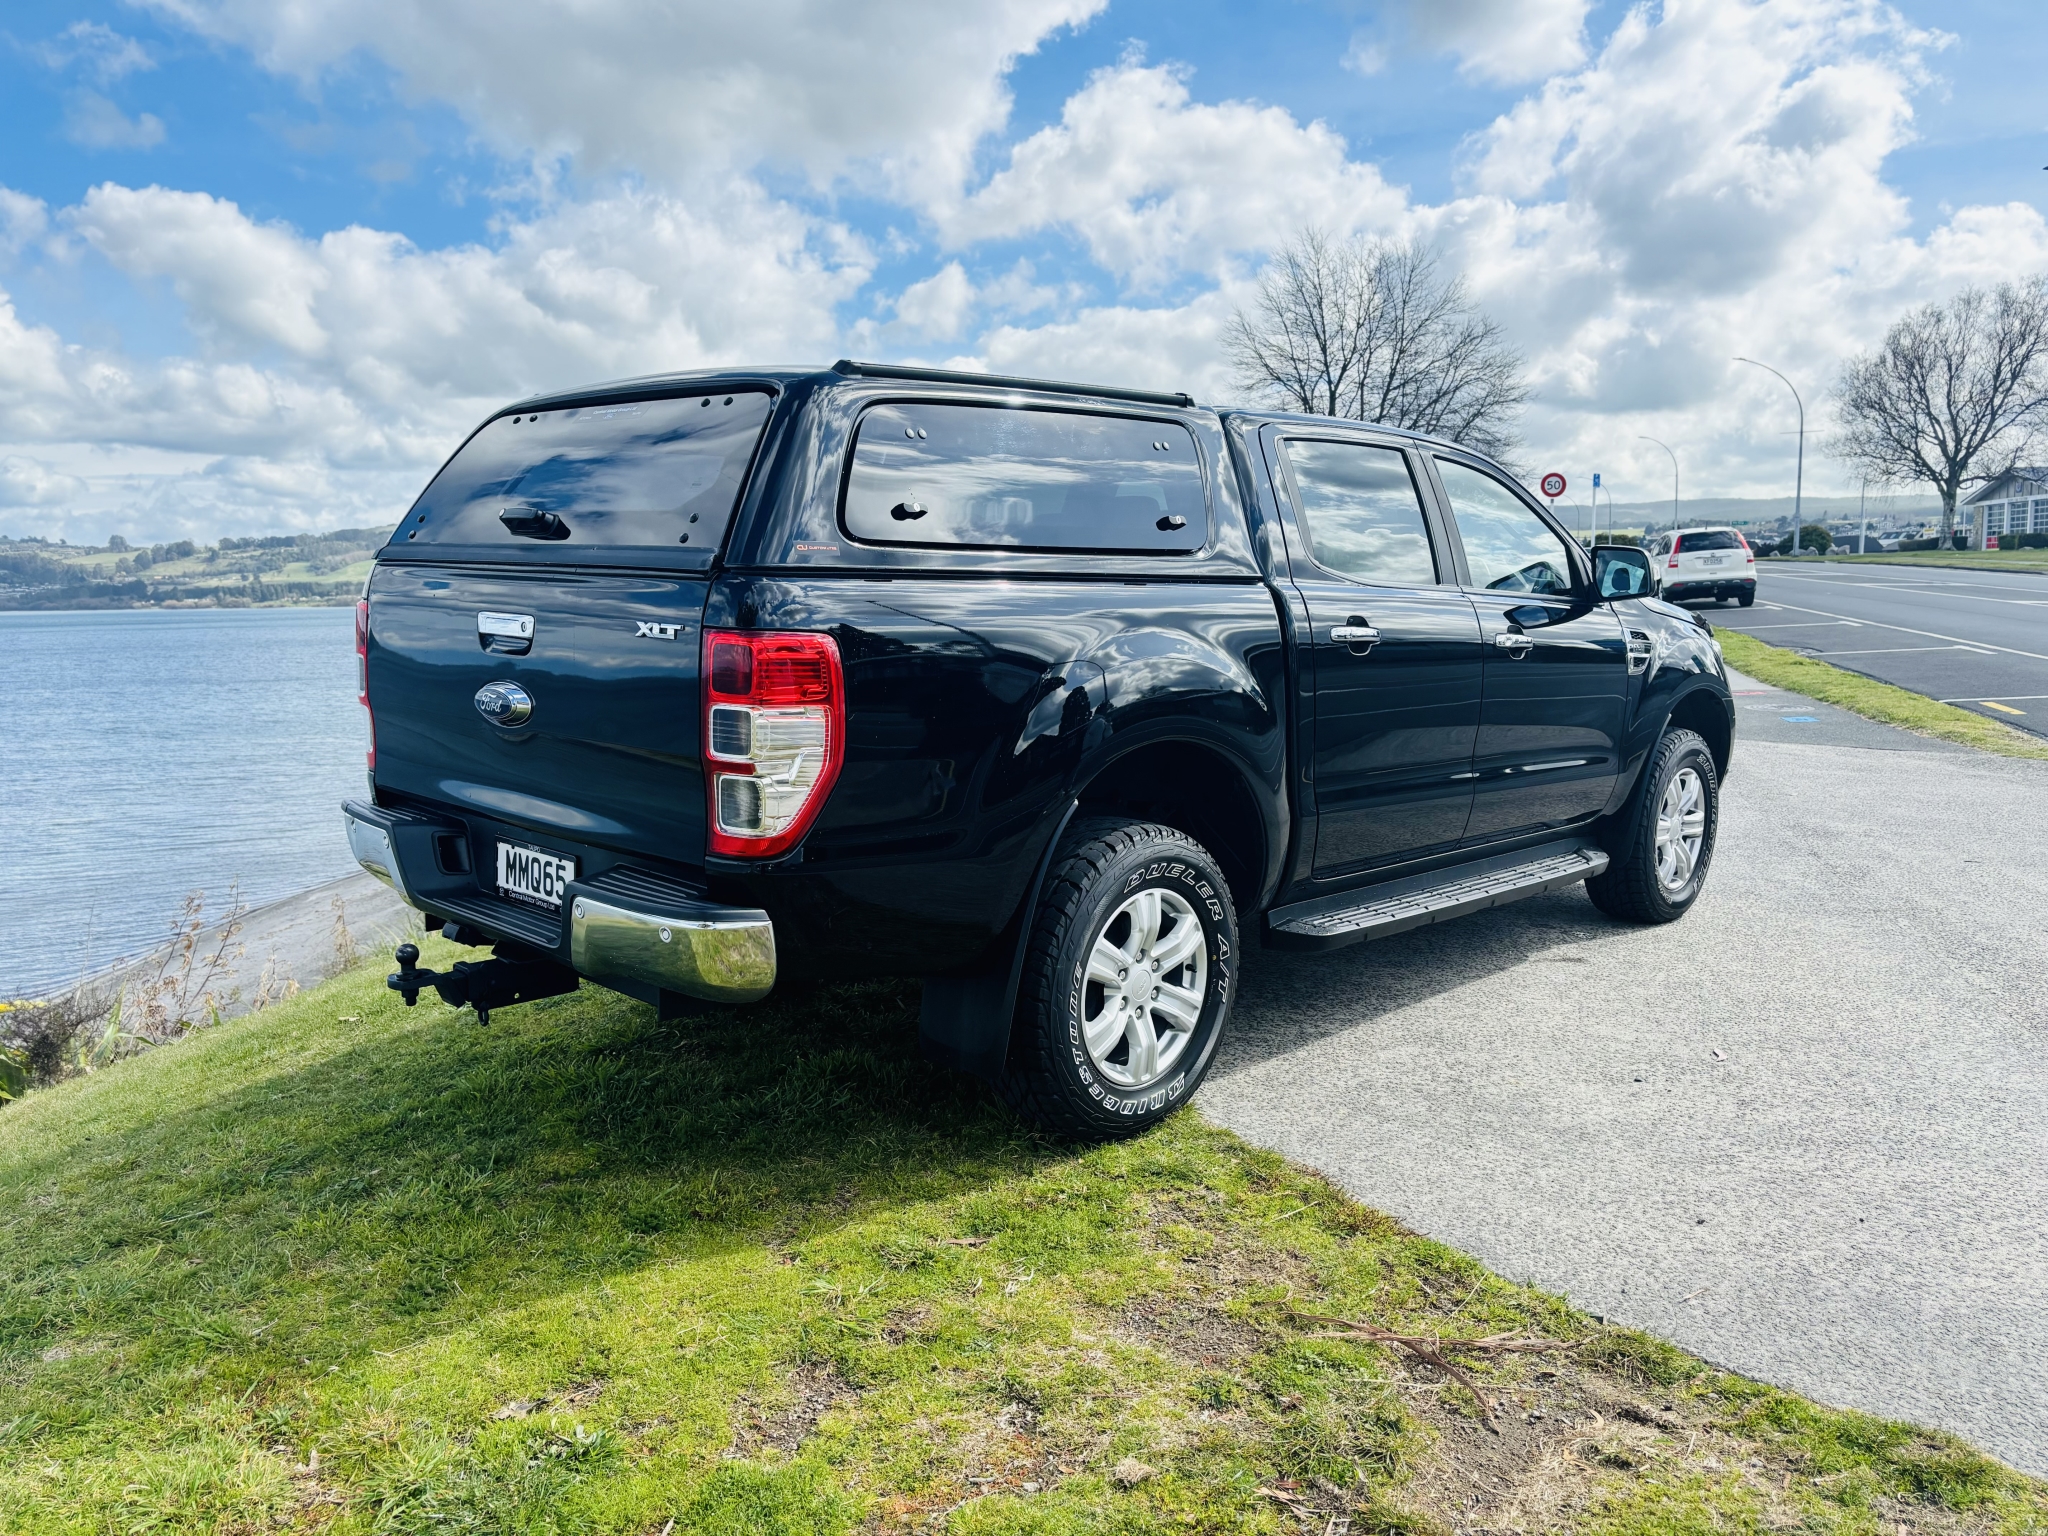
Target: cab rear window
621	473
1700	543
1025	479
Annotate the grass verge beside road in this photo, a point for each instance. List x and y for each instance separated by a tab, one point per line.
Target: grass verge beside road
1873	700
1959	559
348	1267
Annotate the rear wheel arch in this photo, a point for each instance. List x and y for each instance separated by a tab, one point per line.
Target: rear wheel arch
1204	792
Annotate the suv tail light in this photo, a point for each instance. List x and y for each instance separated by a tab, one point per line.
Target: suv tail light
774	736
1676	545
1747	553
363	677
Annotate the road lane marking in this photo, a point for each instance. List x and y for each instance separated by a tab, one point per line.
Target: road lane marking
1925	634
1906	650
2003	709
2018	698
1807	624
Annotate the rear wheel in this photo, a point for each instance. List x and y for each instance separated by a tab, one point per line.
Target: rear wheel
1129	979
1659	865
1748	596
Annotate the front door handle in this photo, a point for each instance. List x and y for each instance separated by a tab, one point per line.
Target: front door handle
1517	646
1357	634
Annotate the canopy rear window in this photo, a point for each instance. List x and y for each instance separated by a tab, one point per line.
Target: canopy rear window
1700	543
995	476
620	473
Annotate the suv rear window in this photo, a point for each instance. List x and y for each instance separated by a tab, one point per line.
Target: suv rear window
1024	479
1700	543
617	473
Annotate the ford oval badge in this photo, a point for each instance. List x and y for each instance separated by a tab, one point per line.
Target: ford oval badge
505	704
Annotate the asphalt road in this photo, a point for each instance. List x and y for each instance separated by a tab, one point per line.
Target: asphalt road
1803	1132
1974	638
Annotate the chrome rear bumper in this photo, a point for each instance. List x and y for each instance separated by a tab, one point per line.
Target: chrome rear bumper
624	925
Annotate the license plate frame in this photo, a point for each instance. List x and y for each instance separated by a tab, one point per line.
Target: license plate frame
533	871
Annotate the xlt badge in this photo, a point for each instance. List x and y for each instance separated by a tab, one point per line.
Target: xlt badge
648	631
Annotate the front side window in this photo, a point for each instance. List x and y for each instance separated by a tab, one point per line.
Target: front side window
621	473
1001	477
1361	512
1508	548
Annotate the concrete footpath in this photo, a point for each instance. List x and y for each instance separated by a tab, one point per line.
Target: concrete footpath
1803	1132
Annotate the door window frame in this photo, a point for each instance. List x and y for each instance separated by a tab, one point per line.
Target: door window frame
1445	556
1575	552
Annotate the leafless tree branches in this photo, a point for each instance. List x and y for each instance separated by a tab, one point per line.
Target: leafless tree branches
1373	330
1957	394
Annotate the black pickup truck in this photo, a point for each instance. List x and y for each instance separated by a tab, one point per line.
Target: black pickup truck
1054	696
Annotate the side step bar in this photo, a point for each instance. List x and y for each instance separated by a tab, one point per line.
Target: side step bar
1380	911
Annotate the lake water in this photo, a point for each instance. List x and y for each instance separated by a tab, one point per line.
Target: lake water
147	754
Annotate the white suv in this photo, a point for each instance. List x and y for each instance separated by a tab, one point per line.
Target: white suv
1704	562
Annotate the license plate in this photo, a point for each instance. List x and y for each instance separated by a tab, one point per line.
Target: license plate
533	876
1715	559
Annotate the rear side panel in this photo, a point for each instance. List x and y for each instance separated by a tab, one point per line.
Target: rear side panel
976	708
610	754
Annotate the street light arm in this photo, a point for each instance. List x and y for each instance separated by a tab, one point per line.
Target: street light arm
1645	437
1799	476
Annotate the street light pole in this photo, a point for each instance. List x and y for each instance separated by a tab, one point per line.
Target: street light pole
1645	437
1799	476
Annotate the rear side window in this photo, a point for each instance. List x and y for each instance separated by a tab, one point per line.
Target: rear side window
1363	516
1700	543
621	473
995	477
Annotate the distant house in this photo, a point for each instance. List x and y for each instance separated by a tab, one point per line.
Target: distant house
2014	502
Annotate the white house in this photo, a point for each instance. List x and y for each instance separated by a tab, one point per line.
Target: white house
2014	502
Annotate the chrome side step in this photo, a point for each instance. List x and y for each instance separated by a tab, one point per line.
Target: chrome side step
1379	911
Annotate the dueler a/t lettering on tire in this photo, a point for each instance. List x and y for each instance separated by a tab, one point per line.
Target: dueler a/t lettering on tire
1130	975
1659	860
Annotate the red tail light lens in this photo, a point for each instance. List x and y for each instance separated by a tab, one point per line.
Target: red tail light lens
363	676
774	736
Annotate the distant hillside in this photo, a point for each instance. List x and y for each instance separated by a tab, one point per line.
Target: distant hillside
307	568
1745	512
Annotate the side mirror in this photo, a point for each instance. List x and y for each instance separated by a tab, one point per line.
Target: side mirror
1620	571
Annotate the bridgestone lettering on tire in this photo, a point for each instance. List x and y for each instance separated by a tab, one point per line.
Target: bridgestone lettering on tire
1660	855
1128	981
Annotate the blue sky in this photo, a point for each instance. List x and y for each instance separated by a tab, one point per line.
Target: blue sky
265	264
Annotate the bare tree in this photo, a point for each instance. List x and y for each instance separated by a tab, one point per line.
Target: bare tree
1956	395
1373	330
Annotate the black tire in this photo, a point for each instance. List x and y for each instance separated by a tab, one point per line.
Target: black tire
1632	889
1747	598
1100	867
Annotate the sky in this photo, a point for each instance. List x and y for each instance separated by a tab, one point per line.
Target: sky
263	265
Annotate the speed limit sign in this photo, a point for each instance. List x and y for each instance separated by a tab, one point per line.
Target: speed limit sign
1553	486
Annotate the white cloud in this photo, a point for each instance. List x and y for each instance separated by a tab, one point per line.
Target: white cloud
1508	41
673	90
96	50
30	483
23	221
92	121
938	306
1156	183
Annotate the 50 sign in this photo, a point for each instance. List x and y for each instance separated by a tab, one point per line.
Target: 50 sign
1553	485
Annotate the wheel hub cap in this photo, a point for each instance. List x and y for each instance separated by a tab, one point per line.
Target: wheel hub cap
1681	829
1147	977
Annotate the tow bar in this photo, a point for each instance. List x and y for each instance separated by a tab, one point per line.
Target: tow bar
483	984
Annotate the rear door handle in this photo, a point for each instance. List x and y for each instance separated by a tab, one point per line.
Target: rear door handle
1356	635
1517	646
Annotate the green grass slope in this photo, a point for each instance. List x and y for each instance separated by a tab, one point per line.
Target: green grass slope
343	1266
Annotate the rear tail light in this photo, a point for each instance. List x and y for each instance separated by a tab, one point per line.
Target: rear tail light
363	676
774	736
1747	553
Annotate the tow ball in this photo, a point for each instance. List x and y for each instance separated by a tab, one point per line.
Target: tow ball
484	985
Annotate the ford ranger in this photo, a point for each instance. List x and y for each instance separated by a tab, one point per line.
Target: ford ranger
1054	696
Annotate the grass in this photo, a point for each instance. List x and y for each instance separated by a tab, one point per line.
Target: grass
347	1267
1872	699
1966	559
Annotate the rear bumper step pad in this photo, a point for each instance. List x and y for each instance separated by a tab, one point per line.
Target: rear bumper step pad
1380	911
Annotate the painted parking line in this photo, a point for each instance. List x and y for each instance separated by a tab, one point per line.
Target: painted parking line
1906	650
2013	698
2003	709
1808	624
1926	634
